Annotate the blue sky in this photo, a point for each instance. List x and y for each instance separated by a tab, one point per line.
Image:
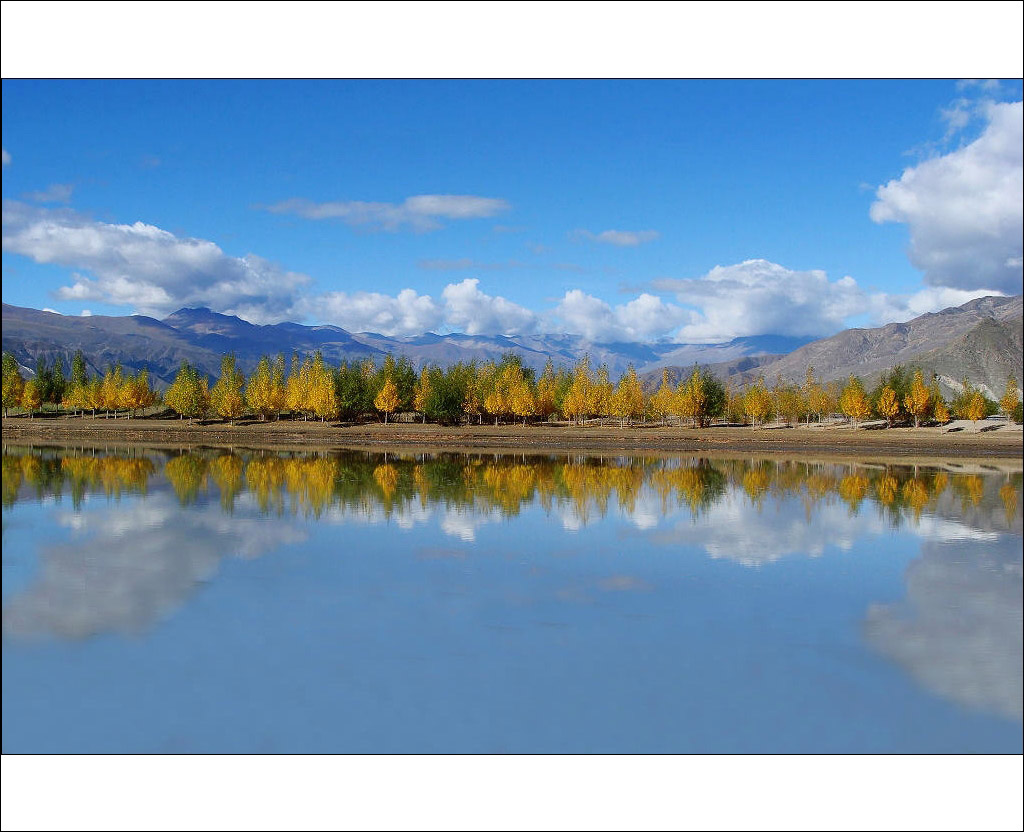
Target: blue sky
637	210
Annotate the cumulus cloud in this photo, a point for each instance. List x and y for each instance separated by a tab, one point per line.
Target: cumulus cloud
757	296
419	213
408	313
149	269
641	319
895	308
615	238
475	312
964	208
55	193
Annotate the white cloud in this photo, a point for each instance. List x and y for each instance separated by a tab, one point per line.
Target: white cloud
644	318
149	269
86	313
6	157
408	313
475	313
964	209
756	297
615	238
420	213
886	308
55	193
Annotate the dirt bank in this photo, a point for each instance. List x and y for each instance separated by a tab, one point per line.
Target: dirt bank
1006	442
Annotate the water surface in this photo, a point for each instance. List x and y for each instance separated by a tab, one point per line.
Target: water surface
265	602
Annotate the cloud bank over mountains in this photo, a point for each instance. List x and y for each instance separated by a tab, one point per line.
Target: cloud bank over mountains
963	210
155	272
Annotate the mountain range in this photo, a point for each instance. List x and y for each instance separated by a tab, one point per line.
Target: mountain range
980	340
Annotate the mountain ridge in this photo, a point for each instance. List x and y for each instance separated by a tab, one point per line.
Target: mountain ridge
980	340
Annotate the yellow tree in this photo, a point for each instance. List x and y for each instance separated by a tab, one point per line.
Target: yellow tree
628	400
31	397
226	396
278	387
422	392
757	403
13	383
853	401
522	402
387	399
579	398
110	389
812	392
298	386
547	388
601	402
919	400
136	394
888	405
691	397
663	401
323	397
259	390
975	407
1011	398
940	411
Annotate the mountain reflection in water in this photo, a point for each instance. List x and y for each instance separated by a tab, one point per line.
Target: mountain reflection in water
169	519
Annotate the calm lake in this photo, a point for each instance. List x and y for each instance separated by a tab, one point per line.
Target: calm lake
257	601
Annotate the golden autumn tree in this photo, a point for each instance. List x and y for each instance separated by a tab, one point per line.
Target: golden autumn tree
919	400
628	399
757	403
601	393
1011	399
387	399
663	401
547	391
259	390
299	386
853	401
422	393
226	397
888	405
579	398
13	383
31	397
691	397
323	397
136	392
189	394
111	389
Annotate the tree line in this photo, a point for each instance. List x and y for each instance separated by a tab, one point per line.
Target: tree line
504	390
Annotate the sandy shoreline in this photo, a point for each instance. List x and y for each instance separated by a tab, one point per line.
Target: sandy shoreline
904	443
